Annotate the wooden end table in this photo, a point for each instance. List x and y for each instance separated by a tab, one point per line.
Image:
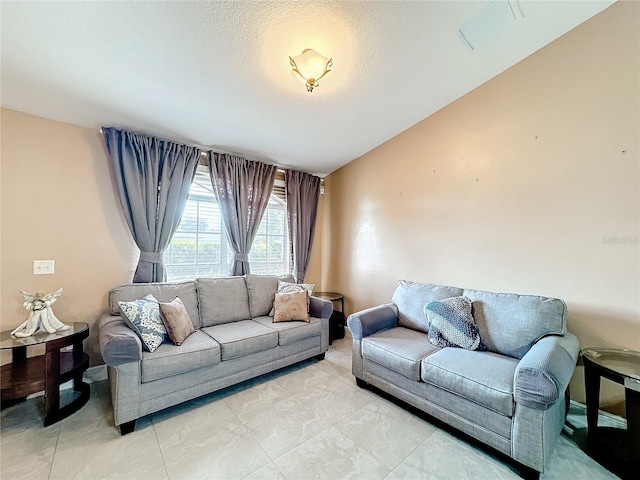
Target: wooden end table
617	449
337	321
47	372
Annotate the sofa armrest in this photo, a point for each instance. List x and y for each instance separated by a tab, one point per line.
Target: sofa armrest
320	308
543	374
372	320
118	343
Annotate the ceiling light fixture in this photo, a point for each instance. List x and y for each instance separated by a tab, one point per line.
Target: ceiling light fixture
309	67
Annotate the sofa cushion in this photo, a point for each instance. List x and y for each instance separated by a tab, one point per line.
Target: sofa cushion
485	378
238	339
262	289
197	351
163	292
510	324
451	323
222	300
399	349
411	297
291	332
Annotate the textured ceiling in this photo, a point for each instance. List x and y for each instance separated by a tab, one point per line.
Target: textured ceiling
216	74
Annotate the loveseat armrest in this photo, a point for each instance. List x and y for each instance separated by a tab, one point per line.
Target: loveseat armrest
543	374
320	308
372	320
118	343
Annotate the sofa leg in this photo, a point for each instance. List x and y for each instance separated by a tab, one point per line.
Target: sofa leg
321	356
528	473
127	427
361	383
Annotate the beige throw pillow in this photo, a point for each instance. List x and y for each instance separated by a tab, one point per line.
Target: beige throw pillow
288	287
176	320
291	306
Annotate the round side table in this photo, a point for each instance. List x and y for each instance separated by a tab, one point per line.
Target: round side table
24	376
617	449
337	321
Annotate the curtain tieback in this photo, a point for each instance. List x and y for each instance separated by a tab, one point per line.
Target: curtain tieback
151	257
241	257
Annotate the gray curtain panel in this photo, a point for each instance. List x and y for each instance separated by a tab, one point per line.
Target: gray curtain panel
243	188
303	191
153	177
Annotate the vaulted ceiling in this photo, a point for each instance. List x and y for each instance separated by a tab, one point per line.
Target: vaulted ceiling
217	74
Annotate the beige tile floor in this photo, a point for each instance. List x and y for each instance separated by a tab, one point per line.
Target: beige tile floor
309	421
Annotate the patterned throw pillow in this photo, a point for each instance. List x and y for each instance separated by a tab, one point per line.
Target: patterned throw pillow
451	324
287	287
176	320
291	306
144	316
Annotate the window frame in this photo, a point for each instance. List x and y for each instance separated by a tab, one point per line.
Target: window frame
206	195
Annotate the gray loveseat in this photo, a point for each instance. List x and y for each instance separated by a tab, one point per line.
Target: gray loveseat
510	396
235	340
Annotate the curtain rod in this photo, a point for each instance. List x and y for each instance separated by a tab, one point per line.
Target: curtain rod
202	148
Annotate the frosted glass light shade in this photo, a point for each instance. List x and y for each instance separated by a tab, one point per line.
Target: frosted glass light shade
309	67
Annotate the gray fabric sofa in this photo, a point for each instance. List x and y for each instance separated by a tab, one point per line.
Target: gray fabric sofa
511	396
235	340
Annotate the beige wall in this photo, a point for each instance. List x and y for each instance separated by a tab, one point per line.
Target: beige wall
528	184
58	203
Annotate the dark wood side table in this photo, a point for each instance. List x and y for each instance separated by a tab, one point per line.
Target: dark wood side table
47	372
615	448
337	321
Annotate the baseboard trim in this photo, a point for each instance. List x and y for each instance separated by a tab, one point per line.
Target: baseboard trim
96	373
616	420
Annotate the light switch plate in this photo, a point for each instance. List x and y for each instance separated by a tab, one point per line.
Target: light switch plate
43	267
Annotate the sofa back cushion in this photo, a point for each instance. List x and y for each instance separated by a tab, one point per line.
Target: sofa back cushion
411	297
163	292
222	300
510	324
262	289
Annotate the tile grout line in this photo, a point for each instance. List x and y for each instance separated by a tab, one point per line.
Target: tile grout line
331	425
224	400
53	455
155	434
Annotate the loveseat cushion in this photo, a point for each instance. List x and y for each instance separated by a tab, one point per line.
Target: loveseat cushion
198	350
291	332
510	324
411	297
485	378
163	292
262	289
222	300
238	339
399	349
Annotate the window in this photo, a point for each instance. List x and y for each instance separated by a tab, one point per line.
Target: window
199	247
